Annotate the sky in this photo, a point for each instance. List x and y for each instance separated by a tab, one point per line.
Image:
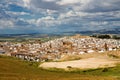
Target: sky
52	16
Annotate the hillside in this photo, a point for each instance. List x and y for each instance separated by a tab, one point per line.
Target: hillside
15	69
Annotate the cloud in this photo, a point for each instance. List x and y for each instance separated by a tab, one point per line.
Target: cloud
58	15
102	6
67	2
26	3
42	4
6	24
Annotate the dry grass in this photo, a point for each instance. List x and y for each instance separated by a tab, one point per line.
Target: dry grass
90	63
107	54
14	69
114	54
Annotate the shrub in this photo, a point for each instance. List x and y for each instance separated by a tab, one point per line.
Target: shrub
105	70
69	67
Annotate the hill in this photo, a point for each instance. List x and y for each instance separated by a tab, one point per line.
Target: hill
101	31
15	69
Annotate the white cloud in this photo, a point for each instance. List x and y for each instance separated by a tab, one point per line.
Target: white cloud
17	13
67	15
50	0
66	2
6	24
43	22
46	21
47	18
98	23
26	3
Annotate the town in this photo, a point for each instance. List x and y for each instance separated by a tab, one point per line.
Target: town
56	49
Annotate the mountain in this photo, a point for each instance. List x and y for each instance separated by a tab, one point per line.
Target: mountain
29	35
102	31
36	35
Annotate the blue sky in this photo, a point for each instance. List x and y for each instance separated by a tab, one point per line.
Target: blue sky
31	16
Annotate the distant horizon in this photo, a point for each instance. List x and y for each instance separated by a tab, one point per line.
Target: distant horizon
102	31
52	16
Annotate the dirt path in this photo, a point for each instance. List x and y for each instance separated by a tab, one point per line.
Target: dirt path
82	64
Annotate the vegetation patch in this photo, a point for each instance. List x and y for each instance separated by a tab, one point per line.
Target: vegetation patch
113	56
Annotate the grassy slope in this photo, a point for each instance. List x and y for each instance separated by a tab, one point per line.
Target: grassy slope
14	69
